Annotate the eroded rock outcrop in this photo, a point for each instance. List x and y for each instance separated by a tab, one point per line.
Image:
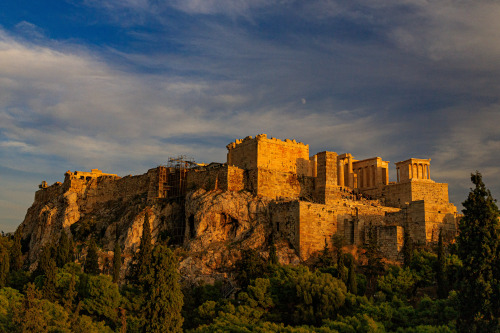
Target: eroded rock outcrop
211	227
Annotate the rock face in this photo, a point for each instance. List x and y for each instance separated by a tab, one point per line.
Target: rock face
213	227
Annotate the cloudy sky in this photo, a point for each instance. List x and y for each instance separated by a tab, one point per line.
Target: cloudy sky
121	85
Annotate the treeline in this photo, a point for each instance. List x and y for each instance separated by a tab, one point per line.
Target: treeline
449	288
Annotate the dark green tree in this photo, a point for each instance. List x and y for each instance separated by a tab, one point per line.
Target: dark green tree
249	267
49	283
29	317
407	248
164	297
478	247
375	266
16	255
4	264
352	285
143	262
70	294
273	256
117	262
64	252
440	268
92	261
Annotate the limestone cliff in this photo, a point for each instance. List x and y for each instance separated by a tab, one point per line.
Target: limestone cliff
212	227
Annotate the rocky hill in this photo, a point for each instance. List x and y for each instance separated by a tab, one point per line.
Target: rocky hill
210	228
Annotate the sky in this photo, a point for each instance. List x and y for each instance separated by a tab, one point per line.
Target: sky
122	85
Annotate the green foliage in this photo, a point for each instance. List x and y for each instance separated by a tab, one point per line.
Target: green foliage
92	260
64	251
407	248
398	282
49	283
375	266
442	285
117	262
360	323
16	256
249	267
273	256
423	264
100	297
4	264
319	296
478	246
352	284
142	266
164	297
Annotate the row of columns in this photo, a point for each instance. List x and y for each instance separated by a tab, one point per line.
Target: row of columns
416	171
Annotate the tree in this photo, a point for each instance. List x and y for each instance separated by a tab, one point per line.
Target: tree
16	255
375	266
29	317
49	284
117	262
440	269
64	252
4	264
70	294
407	248
143	261
273	256
352	285
478	247
92	261
164	297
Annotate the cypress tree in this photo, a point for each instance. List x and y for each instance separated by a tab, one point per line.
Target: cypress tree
273	257
92	261
375	266
164	297
352	285
117	262
407	248
440	269
479	249
4	264
49	284
69	296
64	250
143	262
16	255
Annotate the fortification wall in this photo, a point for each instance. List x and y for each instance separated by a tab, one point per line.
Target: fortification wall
317	225
285	219
224	178
243	153
283	156
48	193
390	240
103	189
429	191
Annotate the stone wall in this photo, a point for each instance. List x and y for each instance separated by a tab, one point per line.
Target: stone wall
285	219
326	189
390	240
317	225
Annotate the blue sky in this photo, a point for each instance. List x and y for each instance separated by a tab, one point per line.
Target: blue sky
121	85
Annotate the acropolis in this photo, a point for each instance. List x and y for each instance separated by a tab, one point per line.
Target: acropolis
310	197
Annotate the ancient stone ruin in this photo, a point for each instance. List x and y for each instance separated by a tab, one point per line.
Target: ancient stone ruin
267	189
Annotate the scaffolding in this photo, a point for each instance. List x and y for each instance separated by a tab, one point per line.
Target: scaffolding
170	184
